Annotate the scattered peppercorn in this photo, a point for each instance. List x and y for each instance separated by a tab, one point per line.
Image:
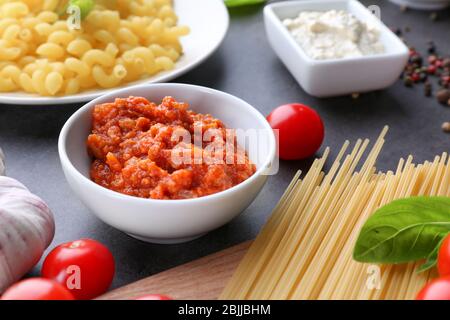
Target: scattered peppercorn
408	81
446	127
446	63
430	69
397	31
443	96
431	47
416	59
434	16
428	89
432	59
415	77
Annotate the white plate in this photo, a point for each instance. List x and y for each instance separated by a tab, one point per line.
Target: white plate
208	20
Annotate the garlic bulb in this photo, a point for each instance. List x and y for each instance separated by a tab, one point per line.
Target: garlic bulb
26	230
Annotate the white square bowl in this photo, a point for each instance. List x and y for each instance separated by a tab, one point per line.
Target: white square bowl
326	78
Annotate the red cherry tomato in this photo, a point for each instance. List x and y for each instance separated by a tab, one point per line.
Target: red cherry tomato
444	258
85	267
301	131
37	289
154	297
438	289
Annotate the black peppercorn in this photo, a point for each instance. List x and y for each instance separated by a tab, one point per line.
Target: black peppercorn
416	59
408	81
431	47
428	89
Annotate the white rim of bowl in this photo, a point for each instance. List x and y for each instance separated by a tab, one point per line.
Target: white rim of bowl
68	164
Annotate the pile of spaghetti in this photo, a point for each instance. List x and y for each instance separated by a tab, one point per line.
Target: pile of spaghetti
305	249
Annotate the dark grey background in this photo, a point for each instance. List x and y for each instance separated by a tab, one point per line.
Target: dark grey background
245	66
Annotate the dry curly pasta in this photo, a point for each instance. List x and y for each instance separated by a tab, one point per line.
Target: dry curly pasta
119	41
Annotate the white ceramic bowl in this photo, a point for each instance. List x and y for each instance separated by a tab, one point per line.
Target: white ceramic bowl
167	221
423	4
325	78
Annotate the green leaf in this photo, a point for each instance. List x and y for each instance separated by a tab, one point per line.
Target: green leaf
85	6
403	231
432	257
239	3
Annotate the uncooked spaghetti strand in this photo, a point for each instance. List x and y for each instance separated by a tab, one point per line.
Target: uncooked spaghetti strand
309	229
400	270
345	263
345	222
293	234
389	273
275	216
439	175
429	178
274	267
294	212
444	189
288	279
308	244
301	260
347	253
256	256
385	271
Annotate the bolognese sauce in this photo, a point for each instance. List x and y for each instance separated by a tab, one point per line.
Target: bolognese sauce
132	144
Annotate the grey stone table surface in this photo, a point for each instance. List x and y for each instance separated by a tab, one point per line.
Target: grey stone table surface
245	66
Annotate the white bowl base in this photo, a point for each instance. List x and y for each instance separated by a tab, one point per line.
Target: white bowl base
166	241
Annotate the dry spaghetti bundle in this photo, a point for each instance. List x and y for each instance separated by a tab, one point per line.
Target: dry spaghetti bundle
305	249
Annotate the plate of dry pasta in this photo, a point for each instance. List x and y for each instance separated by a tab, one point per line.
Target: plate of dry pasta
71	51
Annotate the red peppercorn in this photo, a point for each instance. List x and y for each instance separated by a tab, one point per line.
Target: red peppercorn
431	69
439	63
446	80
415	77
432	59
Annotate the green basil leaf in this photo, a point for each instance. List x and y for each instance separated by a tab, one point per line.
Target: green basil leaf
403	231
239	3
432	258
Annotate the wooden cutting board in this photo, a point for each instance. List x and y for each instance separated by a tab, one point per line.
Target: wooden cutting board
202	279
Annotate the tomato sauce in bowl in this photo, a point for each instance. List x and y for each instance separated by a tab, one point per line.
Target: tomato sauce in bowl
136	147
